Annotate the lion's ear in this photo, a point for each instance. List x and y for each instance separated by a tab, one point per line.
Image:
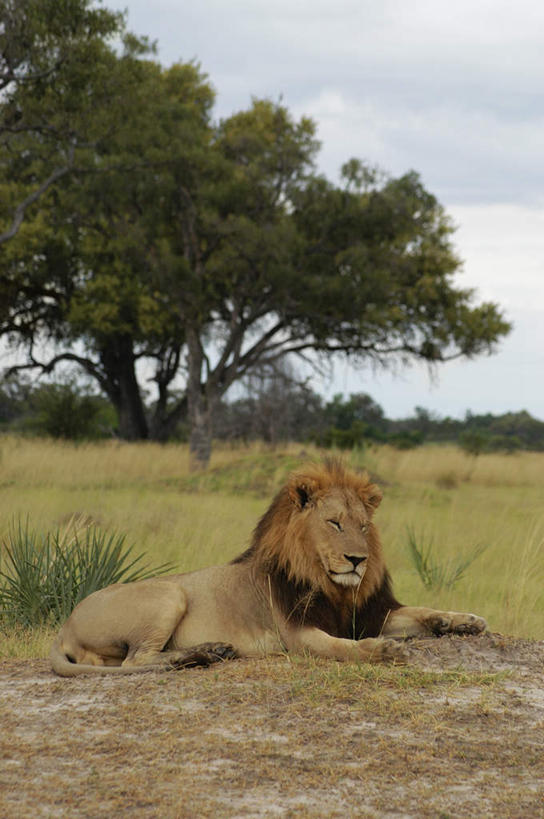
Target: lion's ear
301	493
372	497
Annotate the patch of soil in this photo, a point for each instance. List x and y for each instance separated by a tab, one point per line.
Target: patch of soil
458	733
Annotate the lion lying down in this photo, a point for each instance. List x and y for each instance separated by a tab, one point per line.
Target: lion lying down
313	580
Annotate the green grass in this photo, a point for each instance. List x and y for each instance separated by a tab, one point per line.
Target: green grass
438	574
44	575
145	491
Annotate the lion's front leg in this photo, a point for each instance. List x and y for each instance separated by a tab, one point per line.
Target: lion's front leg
320	644
412	621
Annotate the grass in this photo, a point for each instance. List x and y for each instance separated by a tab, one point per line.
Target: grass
145	491
434	574
43	576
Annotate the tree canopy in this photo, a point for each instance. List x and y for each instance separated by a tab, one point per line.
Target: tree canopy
181	252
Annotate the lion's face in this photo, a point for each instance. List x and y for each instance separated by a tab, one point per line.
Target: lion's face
338	524
318	531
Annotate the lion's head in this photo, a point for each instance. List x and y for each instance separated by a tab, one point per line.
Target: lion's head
319	532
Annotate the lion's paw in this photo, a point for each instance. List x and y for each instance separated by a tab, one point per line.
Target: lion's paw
456	623
221	651
390	651
468	624
204	654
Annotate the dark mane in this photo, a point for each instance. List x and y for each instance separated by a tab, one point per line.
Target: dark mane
304	606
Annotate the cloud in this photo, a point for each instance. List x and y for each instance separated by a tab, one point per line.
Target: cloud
503	246
453	90
463	155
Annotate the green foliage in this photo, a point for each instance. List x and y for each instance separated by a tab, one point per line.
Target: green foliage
433	574
43	576
355	436
408	439
176	239
63	411
57	80
474	441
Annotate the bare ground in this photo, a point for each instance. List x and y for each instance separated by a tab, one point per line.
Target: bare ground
457	733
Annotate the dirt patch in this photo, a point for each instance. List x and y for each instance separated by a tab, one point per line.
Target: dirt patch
457	733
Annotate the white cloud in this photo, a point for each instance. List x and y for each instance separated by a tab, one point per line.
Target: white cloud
503	246
462	155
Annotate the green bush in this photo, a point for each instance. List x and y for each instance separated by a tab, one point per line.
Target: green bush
408	439
64	411
474	441
43	576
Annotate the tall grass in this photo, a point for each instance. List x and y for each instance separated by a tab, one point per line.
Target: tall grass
146	492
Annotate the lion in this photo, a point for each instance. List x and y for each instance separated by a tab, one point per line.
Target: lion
312	581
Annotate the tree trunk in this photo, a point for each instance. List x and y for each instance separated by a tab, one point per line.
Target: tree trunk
200	436
164	422
118	362
200	403
130	410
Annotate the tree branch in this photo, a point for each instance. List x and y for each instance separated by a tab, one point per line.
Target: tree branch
21	209
88	365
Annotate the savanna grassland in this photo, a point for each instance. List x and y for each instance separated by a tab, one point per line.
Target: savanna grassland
450	501
458	732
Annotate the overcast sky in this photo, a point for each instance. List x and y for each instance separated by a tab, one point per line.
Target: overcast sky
452	90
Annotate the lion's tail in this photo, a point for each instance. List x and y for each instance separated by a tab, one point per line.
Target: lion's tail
66	668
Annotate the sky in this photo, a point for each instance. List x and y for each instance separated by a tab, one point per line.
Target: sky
454	91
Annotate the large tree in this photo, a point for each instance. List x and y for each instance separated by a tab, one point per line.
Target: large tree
276	261
78	274
54	77
207	250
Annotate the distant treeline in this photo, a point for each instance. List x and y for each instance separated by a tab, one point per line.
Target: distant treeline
273	409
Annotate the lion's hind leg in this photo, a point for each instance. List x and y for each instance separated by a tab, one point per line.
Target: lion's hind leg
413	621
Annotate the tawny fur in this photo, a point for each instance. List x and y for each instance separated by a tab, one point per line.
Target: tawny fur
313	580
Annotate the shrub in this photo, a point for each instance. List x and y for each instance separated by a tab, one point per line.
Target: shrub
64	411
42	577
474	441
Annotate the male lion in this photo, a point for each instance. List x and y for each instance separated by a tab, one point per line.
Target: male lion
313	580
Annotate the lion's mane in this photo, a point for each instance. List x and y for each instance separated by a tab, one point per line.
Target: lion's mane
281	551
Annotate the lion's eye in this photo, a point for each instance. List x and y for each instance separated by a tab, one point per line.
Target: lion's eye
336	525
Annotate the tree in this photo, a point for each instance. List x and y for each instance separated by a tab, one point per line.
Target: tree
287	263
87	250
226	251
276	406
121	307
53	78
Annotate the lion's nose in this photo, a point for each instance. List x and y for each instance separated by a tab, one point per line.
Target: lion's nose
355	559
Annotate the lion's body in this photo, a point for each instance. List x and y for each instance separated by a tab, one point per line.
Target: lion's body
314	580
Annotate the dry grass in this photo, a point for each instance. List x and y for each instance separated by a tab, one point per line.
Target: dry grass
105	465
435	464
273	737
